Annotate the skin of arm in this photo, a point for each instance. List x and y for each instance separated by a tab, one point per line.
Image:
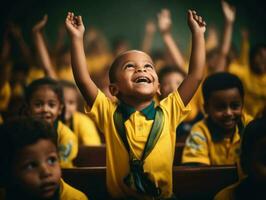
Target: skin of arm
229	13
42	51
192	81
148	36
75	29
164	24
15	30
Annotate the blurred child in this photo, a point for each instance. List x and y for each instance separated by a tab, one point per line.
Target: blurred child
253	77
215	140
83	126
44	100
29	162
136	132
252	158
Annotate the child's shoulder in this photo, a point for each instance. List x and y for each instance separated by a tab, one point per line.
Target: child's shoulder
68	192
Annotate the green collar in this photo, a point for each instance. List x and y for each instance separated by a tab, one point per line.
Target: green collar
127	110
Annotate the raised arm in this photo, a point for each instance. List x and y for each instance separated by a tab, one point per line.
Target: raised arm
192	81
75	29
150	29
164	24
41	48
229	18
15	30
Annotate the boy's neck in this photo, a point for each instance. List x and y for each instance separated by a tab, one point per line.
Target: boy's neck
137	104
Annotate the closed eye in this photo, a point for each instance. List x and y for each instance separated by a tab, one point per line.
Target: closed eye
128	65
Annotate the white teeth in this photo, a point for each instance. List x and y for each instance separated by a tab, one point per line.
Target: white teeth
142	79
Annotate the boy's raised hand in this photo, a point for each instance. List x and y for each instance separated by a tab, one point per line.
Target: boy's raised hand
74	25
229	12
40	24
195	22
164	21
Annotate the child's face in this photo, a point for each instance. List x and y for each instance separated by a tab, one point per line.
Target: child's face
224	107
259	63
36	169
170	83
71	102
258	163
135	77
45	104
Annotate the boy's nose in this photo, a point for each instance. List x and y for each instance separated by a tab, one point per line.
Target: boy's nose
140	69
45	170
228	111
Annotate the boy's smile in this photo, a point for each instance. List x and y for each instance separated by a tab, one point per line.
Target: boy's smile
225	108
135	77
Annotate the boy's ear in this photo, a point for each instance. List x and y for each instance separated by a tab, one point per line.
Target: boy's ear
113	89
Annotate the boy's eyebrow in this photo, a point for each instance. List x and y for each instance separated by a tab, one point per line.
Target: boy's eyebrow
145	61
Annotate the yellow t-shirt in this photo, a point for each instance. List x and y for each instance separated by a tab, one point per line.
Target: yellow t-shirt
67	192
67	145
227	193
202	147
35	73
254	87
97	63
138	128
85	130
65	73
5	94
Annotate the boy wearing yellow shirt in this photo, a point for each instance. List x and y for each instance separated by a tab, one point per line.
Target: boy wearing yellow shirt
215	140
134	126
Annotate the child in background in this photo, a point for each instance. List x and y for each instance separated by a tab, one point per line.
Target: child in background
44	100
30	164
132	170
252	158
83	126
215	140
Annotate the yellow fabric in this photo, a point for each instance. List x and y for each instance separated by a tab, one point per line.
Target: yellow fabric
67	192
85	130
138	128
200	148
227	193
67	144
65	73
97	63
35	73
5	94
254	87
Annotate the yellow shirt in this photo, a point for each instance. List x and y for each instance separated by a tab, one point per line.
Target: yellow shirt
67	192
65	73
85	130
67	145
97	63
227	193
254	87
5	94
35	73
204	147
138	128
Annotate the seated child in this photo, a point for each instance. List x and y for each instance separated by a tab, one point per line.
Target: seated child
30	164
215	140
136	132
83	126
252	159
44	100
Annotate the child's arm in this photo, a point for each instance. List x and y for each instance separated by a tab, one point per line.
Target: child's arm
15	30
75	28
192	81
148	36
41	49
244	48
164	24
229	17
